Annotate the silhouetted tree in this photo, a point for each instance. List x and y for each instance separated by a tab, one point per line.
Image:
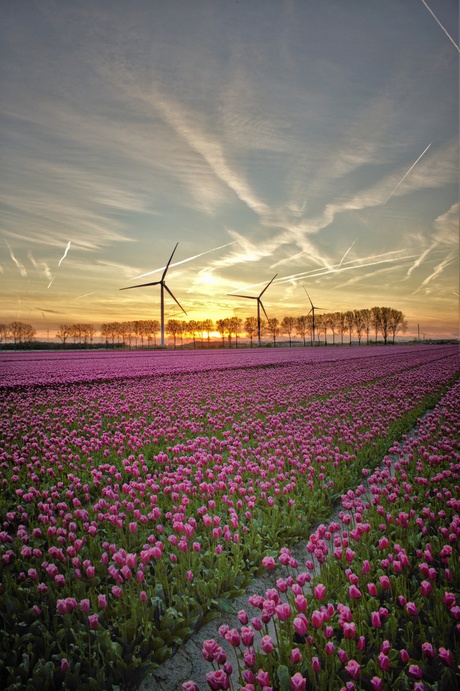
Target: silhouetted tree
273	326
65	331
250	326
397	323
288	326
304	326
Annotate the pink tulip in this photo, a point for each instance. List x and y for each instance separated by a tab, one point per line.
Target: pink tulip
317	619
217	680
404	656
445	656
375	620
353	669
296	656
425	588
377	683
267	644
315	664
354	592
415	671
298	682
319	591
93	622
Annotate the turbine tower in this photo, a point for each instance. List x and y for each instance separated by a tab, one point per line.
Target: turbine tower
259	305
163	287
312	311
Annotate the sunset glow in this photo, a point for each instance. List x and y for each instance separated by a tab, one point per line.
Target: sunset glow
315	141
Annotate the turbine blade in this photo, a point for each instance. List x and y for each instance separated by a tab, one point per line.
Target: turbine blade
142	285
263	308
308	296
249	297
169	262
268	284
174	298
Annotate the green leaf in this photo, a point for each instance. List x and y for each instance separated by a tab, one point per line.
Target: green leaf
284	678
224	605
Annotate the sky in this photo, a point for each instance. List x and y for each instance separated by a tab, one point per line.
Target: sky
314	141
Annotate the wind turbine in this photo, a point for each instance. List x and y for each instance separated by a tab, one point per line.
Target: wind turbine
164	287
313	308
259	304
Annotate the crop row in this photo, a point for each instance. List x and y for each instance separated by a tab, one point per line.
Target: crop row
383	610
123	502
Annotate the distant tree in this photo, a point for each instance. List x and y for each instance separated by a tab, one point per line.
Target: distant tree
341	325
360	324
173	328
376	317
321	326
397	323
287	326
385	322
208	326
221	329
4	332
152	329
65	332
193	328
21	332
250	327
367	315
349	322
303	326
273	327
235	325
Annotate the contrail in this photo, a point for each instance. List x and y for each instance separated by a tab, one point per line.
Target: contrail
21	267
405	176
85	295
185	260
65	253
341	261
442	27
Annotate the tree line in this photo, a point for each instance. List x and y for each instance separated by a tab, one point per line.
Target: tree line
364	324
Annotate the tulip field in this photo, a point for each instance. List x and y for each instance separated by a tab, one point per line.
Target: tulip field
141	492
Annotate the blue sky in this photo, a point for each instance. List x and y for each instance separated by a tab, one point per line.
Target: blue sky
316	141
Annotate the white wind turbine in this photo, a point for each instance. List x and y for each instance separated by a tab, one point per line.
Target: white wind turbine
163	287
259	305
312	311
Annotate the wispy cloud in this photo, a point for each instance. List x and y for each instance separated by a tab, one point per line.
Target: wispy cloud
184	261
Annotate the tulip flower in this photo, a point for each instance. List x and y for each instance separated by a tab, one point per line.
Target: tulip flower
353	669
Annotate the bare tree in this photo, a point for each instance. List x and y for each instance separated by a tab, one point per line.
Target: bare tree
65	331
333	322
193	328
367	315
304	325
321	326
21	332
173	329
250	326
349	322
288	325
359	324
273	327
376	317
208	326
397	323
235	324
221	329
4	332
